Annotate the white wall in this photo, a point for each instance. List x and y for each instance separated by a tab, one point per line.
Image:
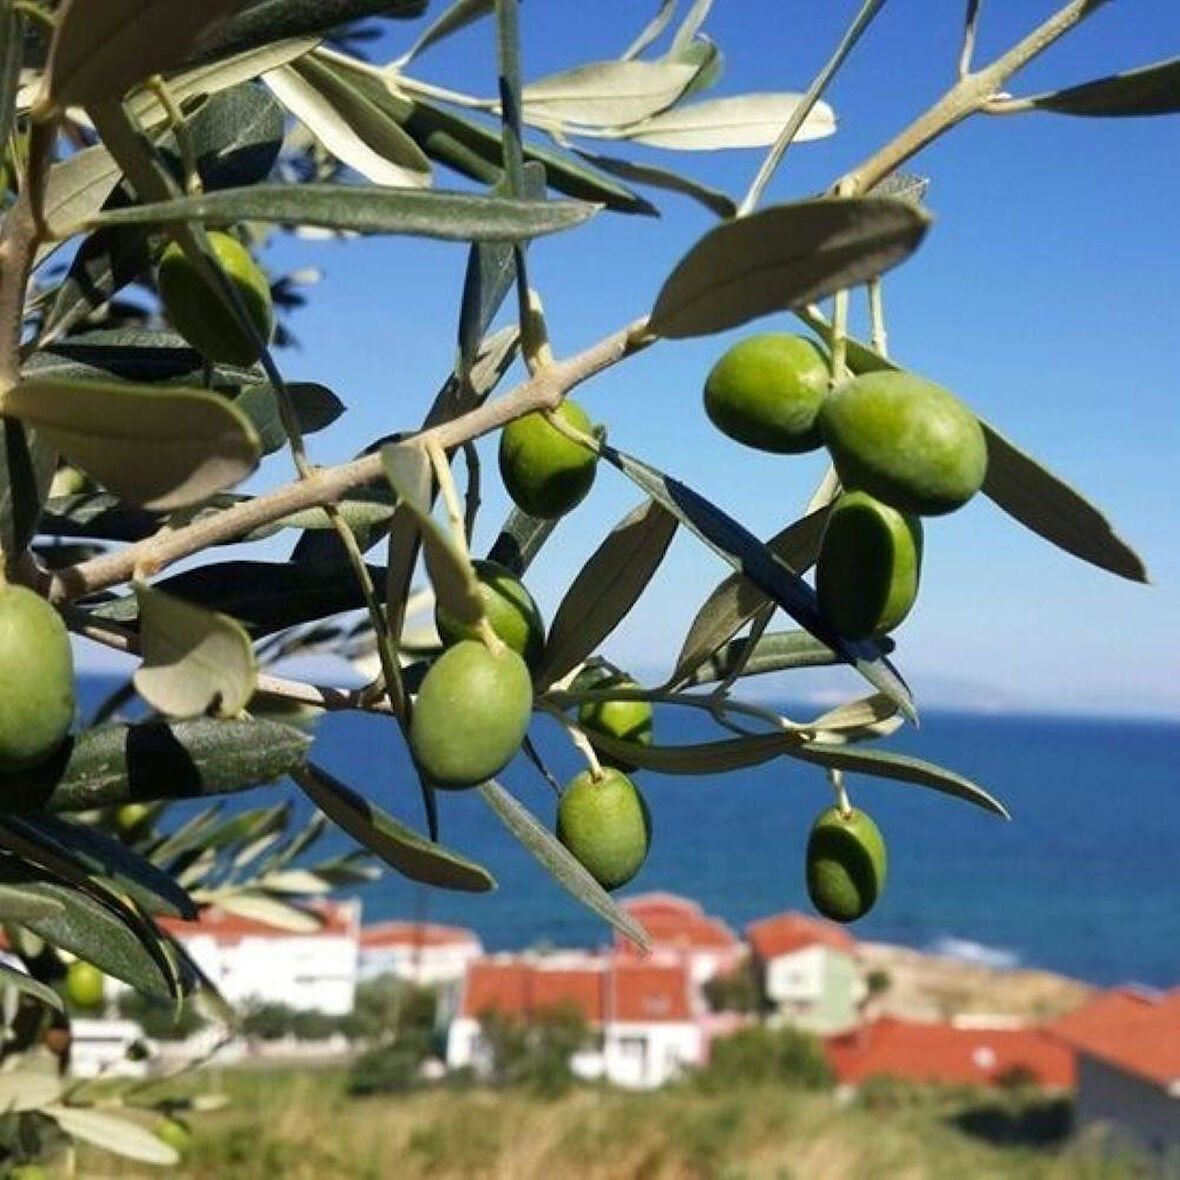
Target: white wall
429	966
100	1047
641	1056
797	978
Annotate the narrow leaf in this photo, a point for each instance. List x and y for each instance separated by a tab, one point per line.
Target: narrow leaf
369	209
117	764
606	588
11	977
1151	90
270	911
162	448
776	652
738	121
195	661
118	1135
520	540
737	545
460	14
398	846
558	861
27	464
651	31
713	199
606	94
783	257
28	1089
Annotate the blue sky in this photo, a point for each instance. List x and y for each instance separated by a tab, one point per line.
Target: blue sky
1045	295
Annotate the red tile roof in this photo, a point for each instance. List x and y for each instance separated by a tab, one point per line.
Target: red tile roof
415	934
1136	1032
598	987
784	934
675	923
944	1053
340	919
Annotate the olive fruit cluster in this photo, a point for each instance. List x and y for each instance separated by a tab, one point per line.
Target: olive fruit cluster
34	654
903	448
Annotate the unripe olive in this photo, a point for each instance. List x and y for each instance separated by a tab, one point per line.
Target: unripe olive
197	311
846	863
175	1133
546	473
130	818
605	823
906	441
869	563
511	611
85	984
471	714
37	667
766	392
626	721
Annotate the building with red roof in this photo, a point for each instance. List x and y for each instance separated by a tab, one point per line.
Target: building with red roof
949	1054
1127	1042
644	1011
679	929
250	958
424	953
808	971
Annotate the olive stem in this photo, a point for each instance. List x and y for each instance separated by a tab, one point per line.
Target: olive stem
774	157
450	496
580	740
843	803
969	29
879	336
471	500
188	156
324	485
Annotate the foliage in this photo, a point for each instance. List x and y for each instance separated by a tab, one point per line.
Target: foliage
758	1055
534	1051
160	1021
737	991
128	128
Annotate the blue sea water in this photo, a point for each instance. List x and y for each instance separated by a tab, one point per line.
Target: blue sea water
1084	880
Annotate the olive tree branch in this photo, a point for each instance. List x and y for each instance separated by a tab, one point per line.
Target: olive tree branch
970	25
542	390
967	96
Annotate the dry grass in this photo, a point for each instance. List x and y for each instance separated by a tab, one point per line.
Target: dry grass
302	1126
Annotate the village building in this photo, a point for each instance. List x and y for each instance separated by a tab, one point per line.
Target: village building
251	961
808	971
949	1054
423	953
679	929
1127	1043
642	1012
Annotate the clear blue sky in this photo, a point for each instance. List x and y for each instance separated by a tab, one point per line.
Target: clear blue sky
1046	295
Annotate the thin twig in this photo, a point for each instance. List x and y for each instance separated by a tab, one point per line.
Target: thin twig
969	29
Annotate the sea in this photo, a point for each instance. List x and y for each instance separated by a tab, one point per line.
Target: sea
1083	880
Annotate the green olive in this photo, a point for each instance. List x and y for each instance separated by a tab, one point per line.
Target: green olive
132	818
197	311
906	441
85	984
766	392
626	721
511	611
546	473
471	714
175	1133
868	567
34	655
846	864
605	823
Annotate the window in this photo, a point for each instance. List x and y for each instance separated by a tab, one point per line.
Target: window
633	1048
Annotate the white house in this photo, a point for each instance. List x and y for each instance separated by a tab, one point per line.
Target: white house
249	960
1127	1043
642	1011
679	929
424	953
98	1048
808	971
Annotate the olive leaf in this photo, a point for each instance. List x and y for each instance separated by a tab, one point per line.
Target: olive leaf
775	652
11	977
114	764
270	911
455	584
460	14
259	23
736	600
558	861
354	130
607	93
1150	90
713	199
28	1089
1049	507
520	540
17	904
112	1133
737	121
162	448
606	588
195	661
27	464
738	546
397	845
101	47
368	209
12	35
783	257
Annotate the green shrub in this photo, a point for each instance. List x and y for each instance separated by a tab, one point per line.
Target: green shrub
755	1056
535	1052
384	1069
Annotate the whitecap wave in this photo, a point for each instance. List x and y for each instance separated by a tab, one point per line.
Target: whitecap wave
982	955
